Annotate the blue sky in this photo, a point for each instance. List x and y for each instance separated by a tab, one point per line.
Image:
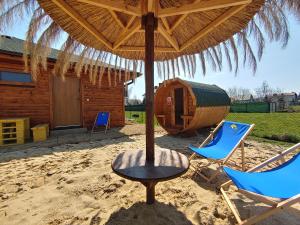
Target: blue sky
279	67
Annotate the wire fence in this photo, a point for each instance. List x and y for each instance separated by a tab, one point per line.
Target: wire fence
138	117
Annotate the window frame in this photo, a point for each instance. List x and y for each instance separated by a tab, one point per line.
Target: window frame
17	83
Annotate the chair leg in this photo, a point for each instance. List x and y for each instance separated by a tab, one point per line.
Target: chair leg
192	156
214	175
208	179
230	205
198	171
257	218
94	125
243	155
106	128
92	131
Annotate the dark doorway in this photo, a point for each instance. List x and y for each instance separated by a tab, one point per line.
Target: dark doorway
179	106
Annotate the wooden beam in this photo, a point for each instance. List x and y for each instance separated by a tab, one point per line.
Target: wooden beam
151	5
166	24
200	7
116	17
167	36
79	19
180	19
114	5
143	6
141	49
164	20
127	33
130	21
225	16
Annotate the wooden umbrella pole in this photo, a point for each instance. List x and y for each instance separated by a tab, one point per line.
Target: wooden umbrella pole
150	24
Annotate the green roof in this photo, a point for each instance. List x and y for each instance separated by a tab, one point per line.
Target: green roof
14	45
209	95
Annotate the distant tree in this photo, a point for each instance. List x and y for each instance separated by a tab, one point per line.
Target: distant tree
239	93
265	90
251	98
232	92
278	91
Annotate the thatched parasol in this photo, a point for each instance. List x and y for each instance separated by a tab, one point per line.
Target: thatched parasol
174	33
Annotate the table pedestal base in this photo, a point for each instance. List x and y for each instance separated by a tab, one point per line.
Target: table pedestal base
150	191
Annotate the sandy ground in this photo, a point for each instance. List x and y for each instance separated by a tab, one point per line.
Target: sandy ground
74	184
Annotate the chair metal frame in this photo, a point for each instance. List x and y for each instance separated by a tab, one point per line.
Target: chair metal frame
276	205
107	126
220	163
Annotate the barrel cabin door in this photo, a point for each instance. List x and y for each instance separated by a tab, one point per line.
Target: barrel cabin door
179	106
66	102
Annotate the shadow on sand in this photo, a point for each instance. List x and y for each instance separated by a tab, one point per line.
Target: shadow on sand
141	213
67	143
171	141
248	208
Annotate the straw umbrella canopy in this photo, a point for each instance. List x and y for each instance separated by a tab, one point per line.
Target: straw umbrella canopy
211	32
173	33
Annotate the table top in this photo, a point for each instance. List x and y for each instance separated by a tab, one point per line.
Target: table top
168	165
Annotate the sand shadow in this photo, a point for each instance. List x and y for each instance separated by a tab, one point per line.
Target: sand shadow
247	208
171	141
65	143
141	213
214	185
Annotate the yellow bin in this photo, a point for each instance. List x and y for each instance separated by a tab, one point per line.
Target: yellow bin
40	132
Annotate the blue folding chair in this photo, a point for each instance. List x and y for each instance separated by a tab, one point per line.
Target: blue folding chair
102	119
219	146
278	187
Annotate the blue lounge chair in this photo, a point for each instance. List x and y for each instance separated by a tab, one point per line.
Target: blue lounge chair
102	119
221	144
278	187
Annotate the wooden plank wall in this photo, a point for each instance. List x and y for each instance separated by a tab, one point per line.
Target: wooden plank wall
35	101
101	99
24	101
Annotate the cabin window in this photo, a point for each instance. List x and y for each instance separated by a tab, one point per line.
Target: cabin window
15	77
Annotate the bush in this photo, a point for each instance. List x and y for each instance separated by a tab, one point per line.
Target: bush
284	138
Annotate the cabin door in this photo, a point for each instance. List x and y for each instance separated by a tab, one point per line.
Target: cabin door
179	106
66	102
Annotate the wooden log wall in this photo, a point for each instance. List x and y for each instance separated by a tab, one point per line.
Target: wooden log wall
34	100
104	98
18	100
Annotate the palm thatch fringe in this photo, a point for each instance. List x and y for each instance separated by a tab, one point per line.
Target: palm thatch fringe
270	23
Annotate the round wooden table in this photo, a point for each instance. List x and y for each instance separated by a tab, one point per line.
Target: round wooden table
168	164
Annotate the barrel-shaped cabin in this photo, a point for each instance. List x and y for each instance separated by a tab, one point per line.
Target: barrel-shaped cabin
184	106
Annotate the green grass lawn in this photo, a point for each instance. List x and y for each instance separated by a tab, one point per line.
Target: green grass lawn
138	117
282	127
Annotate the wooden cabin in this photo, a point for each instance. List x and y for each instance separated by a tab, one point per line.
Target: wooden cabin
73	102
184	106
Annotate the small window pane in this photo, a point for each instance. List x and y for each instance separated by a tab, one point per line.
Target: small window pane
16	77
